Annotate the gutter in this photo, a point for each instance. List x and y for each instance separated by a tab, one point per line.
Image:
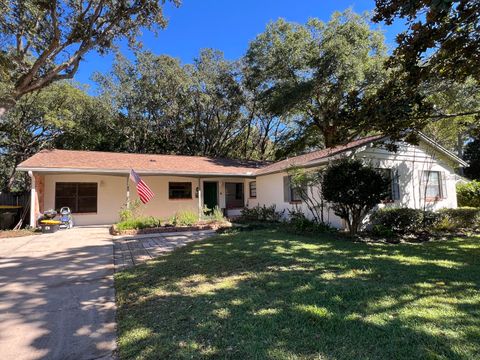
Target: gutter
127	172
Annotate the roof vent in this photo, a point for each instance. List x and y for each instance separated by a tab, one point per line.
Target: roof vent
153	160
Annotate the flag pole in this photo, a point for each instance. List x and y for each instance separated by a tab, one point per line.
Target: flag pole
128	192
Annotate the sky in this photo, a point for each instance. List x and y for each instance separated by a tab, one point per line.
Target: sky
226	25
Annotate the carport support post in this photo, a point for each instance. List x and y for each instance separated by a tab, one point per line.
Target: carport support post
199	199
128	192
33	200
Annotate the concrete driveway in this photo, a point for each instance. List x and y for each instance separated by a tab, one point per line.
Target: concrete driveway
57	298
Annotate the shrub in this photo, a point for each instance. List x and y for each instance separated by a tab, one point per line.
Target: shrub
215	215
139	223
469	194
186	218
353	189
130	211
460	218
299	223
382	231
262	213
404	220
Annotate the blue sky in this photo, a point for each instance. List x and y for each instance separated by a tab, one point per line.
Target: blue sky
226	25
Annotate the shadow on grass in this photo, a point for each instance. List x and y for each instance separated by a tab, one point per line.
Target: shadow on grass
267	294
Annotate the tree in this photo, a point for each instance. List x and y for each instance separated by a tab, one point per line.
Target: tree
44	41
320	73
472	156
307	184
353	190
455	112
60	115
442	37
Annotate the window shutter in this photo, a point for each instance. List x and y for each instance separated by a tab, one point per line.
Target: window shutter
395	185
423	184
287	194
443	189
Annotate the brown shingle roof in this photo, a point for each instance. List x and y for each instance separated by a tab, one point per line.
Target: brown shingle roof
142	163
109	162
313	157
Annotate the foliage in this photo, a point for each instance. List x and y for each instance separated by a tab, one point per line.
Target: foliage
262	213
403	220
353	190
307	185
451	99
441	39
45	41
139	223
298	223
203	106
215	214
469	194
382	231
130	211
184	218
319	72
274	295
459	218
61	115
472	156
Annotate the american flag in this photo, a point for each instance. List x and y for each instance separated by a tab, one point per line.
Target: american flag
143	191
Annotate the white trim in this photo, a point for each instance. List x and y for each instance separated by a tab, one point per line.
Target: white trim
126	172
32	200
440	148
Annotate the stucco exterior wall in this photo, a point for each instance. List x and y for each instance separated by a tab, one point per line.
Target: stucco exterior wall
112	195
409	161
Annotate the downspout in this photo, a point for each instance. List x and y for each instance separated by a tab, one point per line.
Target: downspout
33	200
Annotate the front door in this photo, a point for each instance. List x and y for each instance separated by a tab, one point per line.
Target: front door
210	194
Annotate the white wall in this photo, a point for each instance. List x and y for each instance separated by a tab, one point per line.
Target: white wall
409	160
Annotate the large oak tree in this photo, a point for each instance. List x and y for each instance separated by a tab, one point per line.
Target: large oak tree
43	41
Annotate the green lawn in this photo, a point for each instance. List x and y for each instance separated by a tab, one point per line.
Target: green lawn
271	295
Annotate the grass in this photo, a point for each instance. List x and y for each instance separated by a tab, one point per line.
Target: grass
270	295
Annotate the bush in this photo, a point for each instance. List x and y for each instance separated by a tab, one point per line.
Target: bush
261	213
185	218
213	215
353	190
460	218
300	224
404	220
469	194
139	223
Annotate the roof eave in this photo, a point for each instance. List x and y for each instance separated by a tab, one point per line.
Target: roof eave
443	150
119	172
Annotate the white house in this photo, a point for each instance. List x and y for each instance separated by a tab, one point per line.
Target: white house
94	184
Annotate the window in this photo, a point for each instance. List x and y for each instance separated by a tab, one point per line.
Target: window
253	189
431	185
290	194
234	195
179	190
392	175
79	197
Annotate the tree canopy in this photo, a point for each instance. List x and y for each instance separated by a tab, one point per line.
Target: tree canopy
319	73
45	41
442	37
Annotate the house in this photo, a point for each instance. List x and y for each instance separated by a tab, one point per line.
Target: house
94	184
